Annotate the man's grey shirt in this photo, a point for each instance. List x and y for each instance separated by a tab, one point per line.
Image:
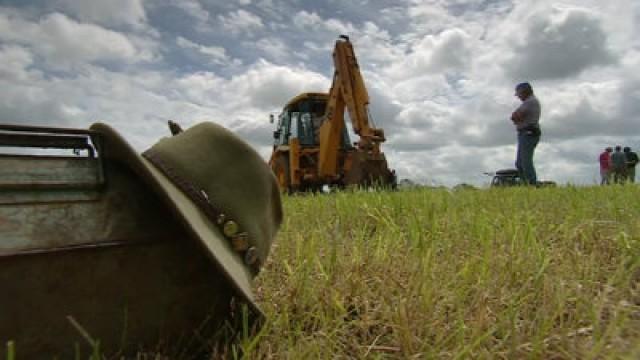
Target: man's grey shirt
529	111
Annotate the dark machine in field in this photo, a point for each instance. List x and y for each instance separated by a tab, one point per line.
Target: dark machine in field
506	177
511	177
311	142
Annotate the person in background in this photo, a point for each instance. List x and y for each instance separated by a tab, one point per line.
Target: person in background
526	118
618	165
605	166
631	159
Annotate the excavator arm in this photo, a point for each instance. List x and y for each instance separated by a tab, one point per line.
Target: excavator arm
347	91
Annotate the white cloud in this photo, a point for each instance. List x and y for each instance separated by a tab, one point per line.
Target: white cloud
275	49
322	29
629	95
370	41
241	21
193	8
583	109
305	19
268	86
421	126
215	54
63	42
447	51
112	12
14	61
560	43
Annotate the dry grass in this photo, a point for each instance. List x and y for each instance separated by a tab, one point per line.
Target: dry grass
548	273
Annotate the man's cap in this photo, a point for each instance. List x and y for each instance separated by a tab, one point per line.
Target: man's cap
524	86
219	187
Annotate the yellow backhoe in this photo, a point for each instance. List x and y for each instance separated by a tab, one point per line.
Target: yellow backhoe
311	141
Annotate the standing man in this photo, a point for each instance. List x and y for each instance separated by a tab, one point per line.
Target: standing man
526	118
618	165
605	166
631	159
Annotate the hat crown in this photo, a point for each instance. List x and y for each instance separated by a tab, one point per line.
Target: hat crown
231	183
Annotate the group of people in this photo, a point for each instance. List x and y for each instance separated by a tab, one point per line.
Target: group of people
618	166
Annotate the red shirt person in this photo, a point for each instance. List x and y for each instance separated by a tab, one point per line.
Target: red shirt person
605	166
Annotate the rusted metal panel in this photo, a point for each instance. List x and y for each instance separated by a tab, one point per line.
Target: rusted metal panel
120	265
31	172
18	196
110	257
163	294
123	210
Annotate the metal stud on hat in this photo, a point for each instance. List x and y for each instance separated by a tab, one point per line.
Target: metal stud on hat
251	256
230	228
240	242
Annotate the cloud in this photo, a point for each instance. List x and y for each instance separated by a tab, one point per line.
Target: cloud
109	13
305	19
559	44
428	18
193	8
383	110
63	42
451	164
276	49
628	99
370	41
241	22
215	54
15	60
255	128
266	85
447	51
419	127
23	98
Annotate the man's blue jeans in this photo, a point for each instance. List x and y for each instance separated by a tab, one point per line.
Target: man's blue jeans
524	158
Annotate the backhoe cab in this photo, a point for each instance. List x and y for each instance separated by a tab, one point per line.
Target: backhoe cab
312	147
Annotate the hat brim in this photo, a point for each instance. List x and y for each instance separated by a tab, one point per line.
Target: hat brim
115	147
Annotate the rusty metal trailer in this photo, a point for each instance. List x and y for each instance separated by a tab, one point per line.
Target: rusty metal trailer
88	253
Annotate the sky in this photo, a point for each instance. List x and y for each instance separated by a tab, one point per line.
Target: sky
440	73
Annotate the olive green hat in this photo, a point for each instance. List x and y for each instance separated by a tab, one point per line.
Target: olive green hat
219	187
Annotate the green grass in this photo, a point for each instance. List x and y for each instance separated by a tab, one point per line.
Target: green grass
501	273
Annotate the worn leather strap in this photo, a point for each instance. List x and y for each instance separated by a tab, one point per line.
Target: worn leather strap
201	199
196	195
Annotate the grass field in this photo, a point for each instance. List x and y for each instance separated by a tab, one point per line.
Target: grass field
549	273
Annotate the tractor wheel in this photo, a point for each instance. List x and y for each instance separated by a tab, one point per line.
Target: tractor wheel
280	168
